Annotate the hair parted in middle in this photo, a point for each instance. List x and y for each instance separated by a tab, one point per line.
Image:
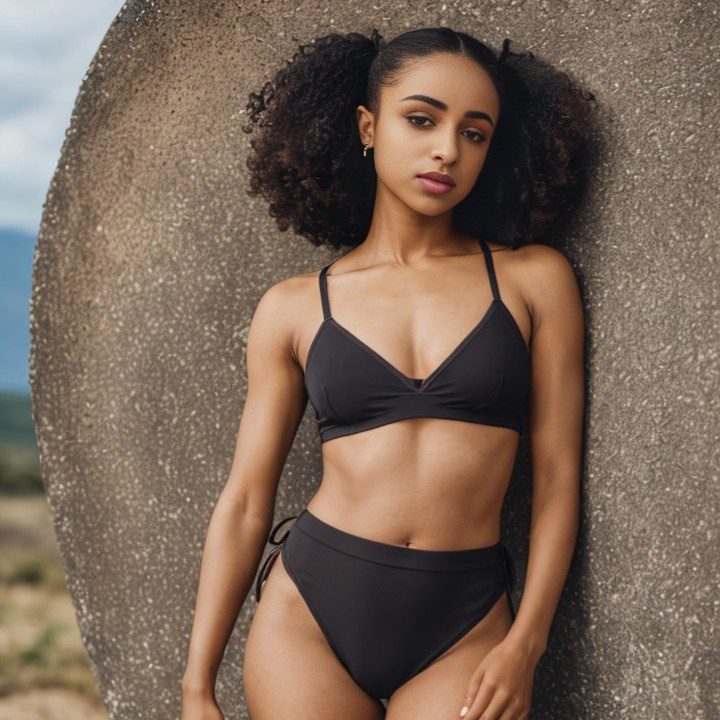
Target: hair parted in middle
307	157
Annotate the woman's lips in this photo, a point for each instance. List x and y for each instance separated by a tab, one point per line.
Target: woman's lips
434	186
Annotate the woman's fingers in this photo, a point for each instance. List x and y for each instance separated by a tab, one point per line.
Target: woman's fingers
489	703
468	702
512	712
472	691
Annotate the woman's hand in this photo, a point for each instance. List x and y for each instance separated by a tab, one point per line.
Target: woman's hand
199	705
501	687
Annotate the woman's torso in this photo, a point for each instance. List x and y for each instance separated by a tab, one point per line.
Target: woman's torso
423	482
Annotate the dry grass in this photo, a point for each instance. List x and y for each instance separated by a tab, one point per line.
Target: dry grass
44	669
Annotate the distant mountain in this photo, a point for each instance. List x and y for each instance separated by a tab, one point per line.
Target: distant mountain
16	424
16	257
19	460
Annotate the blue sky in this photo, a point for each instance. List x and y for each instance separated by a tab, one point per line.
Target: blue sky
45	48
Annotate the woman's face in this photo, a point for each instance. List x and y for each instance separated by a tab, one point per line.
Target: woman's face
438	116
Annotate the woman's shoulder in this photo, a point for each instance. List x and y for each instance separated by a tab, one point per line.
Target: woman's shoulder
535	262
536	271
293	296
545	264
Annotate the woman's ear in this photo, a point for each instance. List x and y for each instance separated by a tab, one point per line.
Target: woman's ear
366	122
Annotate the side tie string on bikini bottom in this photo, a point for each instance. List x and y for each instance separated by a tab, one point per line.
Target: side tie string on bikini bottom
272	555
510	577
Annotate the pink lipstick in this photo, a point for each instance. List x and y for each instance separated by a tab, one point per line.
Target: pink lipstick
436	182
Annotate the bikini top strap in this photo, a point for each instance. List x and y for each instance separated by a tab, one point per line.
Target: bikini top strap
490	269
324	292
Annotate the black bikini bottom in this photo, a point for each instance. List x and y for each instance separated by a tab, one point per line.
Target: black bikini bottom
387	611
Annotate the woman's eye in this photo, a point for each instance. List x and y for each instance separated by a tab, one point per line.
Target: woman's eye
419	120
479	137
417	117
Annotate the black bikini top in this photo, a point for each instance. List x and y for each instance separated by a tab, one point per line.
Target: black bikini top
485	379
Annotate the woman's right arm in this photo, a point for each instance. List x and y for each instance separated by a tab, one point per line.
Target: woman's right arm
242	518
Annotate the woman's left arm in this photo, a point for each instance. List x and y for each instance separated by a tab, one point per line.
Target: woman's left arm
556	430
502	686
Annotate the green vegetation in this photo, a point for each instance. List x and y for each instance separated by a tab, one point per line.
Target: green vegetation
19	461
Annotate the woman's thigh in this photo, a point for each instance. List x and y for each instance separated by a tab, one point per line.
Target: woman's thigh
439	690
289	670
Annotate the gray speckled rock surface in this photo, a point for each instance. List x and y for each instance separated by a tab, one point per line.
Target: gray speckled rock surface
151	259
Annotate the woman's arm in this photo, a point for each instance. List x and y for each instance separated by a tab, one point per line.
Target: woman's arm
502	683
556	425
241	521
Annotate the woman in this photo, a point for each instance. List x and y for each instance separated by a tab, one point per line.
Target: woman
425	351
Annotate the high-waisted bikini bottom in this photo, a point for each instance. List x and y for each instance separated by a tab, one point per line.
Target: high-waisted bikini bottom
387	611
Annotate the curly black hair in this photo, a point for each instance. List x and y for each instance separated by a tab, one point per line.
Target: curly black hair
307	160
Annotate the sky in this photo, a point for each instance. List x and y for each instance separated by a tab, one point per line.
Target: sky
46	47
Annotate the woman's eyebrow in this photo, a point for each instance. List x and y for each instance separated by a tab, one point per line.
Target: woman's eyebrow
478	114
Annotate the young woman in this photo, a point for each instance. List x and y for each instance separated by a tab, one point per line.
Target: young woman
426	351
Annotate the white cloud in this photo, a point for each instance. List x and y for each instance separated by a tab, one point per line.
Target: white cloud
46	47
